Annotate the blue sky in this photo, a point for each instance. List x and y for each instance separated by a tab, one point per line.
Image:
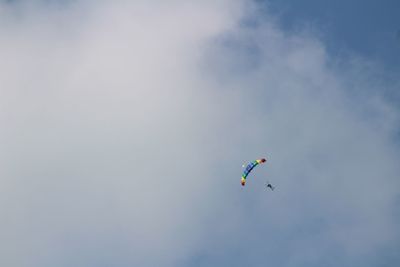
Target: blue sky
369	28
126	123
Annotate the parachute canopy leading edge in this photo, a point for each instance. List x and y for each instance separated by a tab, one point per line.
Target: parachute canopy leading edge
249	168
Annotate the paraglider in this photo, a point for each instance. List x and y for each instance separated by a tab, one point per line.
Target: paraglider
270	186
249	168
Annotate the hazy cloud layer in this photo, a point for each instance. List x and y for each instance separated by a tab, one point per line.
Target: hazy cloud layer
124	126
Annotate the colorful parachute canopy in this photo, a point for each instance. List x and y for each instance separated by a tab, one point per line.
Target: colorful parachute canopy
249	168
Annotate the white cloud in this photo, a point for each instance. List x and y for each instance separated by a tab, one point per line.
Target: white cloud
125	126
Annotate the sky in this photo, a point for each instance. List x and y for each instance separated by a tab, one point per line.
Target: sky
124	126
364	28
